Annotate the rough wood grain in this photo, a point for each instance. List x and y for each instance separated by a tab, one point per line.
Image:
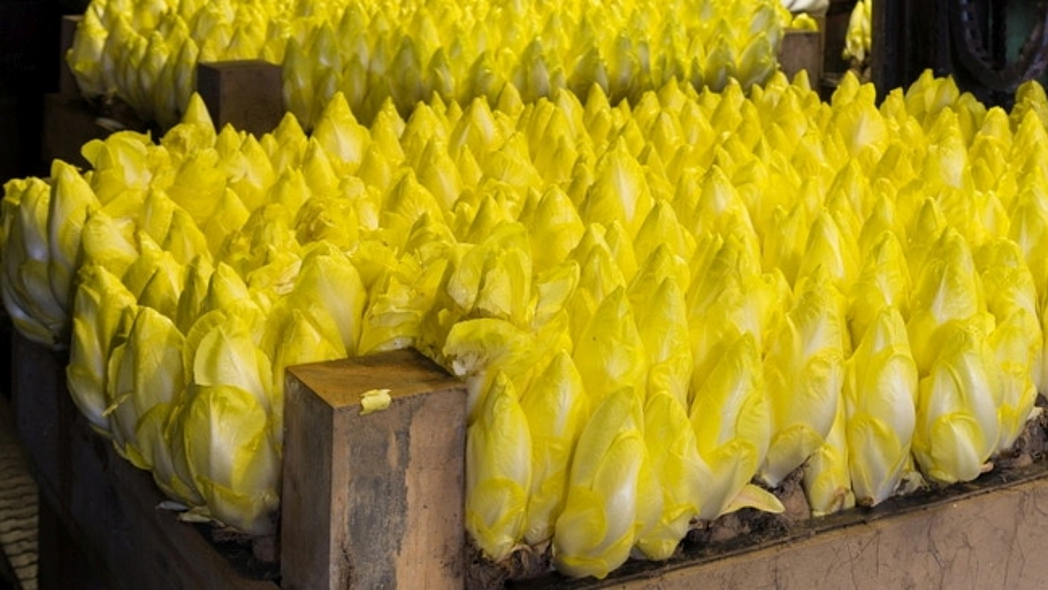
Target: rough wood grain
974	535
802	50
984	542
373	501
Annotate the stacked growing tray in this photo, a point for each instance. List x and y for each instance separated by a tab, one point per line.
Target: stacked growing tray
377	500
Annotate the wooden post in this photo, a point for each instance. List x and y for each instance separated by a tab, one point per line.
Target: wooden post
246	94
802	50
376	500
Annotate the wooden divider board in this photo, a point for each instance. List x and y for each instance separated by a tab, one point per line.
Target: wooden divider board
245	94
376	500
985	539
802	50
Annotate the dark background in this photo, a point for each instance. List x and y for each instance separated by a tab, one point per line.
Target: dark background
29	61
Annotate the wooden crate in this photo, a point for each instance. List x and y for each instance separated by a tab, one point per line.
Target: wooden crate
375	501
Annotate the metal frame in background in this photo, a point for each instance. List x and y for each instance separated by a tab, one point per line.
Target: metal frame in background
967	39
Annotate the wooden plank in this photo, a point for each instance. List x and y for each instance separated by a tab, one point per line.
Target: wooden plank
373	501
969	535
43	424
802	50
108	507
982	542
67	566
246	94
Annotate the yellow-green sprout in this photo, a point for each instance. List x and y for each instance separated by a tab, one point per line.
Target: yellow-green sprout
328	281
184	240
682	475
155	278
830	248
1016	339
224	433
197	279
597	528
109	242
397	302
663	328
98	315
728	299
125	165
619	191
732	425
554	287
1018	352
883	281
226	291
880	394
554	228
332	219
498	471
785	238
804	373
199	184
610	354
557	407
477	350
296	336
221	350
661	265
26	288
599	277
661	228
340	134
71	201
85	56
145	372
957	424
494	278
858	38
826	478
947	289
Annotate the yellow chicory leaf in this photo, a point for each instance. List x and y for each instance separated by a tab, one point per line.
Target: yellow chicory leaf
498	471
597	528
557	407
957	423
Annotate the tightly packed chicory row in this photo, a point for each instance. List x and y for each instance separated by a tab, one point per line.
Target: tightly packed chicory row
146	51
656	305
